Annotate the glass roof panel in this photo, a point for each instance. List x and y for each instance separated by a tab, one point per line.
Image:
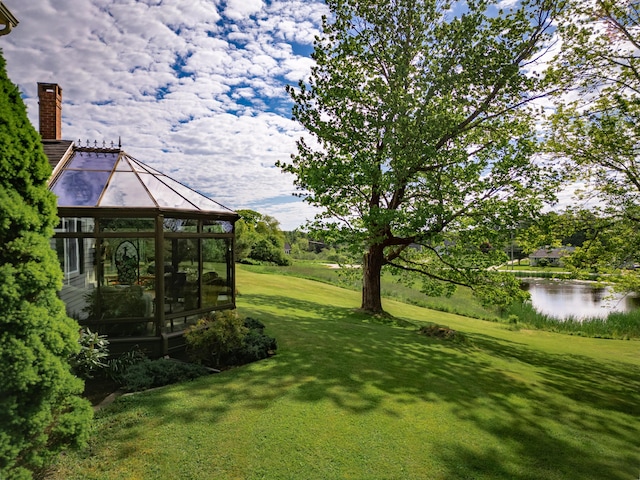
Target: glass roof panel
125	190
77	188
194	197
123	165
83	182
93	161
139	167
164	195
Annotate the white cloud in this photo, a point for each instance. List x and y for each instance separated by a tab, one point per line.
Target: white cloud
194	89
240	9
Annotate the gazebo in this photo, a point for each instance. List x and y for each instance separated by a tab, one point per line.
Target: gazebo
143	255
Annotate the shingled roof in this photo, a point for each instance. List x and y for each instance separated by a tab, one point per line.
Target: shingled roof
57	150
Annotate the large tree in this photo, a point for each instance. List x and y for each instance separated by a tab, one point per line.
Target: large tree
40	404
596	127
422	136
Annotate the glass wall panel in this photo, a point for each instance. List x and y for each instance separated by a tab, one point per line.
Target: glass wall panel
127	261
127	224
125	288
217	226
174	225
181	274
216	276
82	224
76	257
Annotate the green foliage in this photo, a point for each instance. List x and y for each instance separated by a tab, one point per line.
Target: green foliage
265	251
245	238
423	136
595	133
608	245
93	354
259	239
145	374
223	338
256	345
42	411
215	336
117	367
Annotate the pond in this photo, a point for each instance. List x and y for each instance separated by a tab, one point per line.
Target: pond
563	298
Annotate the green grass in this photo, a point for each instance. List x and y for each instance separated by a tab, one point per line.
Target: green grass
461	302
349	397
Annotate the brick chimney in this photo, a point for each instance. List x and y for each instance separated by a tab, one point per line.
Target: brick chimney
50	96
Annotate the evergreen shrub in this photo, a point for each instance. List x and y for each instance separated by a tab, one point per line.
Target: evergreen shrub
42	411
117	367
147	373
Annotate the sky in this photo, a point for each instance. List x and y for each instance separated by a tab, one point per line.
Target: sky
195	89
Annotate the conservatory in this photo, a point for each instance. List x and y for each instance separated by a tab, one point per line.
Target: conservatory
143	255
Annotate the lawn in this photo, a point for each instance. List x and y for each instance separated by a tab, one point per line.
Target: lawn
348	397
461	302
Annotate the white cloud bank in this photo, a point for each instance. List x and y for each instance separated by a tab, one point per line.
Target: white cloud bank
194	89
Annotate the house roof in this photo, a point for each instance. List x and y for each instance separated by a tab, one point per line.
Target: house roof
7	19
57	150
550	252
110	178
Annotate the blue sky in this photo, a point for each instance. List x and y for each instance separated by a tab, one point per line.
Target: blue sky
194	88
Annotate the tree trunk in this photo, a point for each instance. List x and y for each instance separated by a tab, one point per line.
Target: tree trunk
372	266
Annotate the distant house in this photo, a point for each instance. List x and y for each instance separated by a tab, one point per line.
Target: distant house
549	256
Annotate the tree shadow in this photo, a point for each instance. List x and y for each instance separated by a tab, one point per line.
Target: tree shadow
338	355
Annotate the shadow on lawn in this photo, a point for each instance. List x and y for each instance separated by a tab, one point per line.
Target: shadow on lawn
335	354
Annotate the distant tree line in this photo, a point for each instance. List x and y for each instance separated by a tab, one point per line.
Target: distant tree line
259	239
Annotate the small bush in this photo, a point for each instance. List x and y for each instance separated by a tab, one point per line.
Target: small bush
255	346
226	339
213	338
445	333
253	324
117	367
147	374
92	357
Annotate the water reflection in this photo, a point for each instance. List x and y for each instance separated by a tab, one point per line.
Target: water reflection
563	299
